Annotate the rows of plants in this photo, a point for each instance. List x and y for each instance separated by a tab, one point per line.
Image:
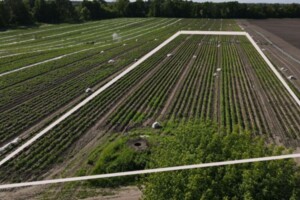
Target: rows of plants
49	149
193	98
87	47
236	92
18	119
150	97
73	129
238	101
93	36
35	84
286	110
50	37
47	80
18	61
41	70
13	34
65	51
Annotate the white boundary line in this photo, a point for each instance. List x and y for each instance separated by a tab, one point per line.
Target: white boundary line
161	25
100	90
149	171
282	80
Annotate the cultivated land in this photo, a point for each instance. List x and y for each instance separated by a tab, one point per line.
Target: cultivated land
287	29
279	38
45	72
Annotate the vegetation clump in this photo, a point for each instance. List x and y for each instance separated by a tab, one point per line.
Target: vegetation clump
124	154
192	143
202	143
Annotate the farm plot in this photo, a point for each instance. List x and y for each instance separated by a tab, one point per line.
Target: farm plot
31	95
41	93
281	49
83	119
27	101
203	77
229	82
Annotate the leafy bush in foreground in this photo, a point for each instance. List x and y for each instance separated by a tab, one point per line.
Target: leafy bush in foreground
201	143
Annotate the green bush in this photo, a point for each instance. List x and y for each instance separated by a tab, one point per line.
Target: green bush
202	143
117	156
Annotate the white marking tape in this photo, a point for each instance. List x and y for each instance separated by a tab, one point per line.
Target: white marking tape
149	171
100	90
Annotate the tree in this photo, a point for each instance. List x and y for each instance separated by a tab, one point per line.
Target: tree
201	143
85	14
18	12
137	9
3	15
66	11
39	10
122	7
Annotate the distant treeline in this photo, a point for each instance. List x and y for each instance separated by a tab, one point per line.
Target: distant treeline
28	12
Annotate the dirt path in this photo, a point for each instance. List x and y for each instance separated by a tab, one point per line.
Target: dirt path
217	90
38	192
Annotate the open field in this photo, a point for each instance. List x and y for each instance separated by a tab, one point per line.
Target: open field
278	38
287	29
45	72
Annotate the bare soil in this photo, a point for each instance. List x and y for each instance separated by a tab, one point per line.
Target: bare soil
37	193
287	29
280	41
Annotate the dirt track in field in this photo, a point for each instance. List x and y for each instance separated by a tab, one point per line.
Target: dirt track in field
284	49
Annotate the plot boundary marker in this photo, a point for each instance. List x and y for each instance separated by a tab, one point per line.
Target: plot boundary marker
136	64
149	171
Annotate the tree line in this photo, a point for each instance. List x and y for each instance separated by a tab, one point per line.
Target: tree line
29	12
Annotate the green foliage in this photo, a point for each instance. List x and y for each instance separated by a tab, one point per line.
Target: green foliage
19	12
85	14
201	143
118	156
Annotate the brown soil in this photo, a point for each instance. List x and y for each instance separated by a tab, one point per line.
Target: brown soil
217	90
280	41
287	29
138	144
37	193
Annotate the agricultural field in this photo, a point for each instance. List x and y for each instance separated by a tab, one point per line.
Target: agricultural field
45	71
279	40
